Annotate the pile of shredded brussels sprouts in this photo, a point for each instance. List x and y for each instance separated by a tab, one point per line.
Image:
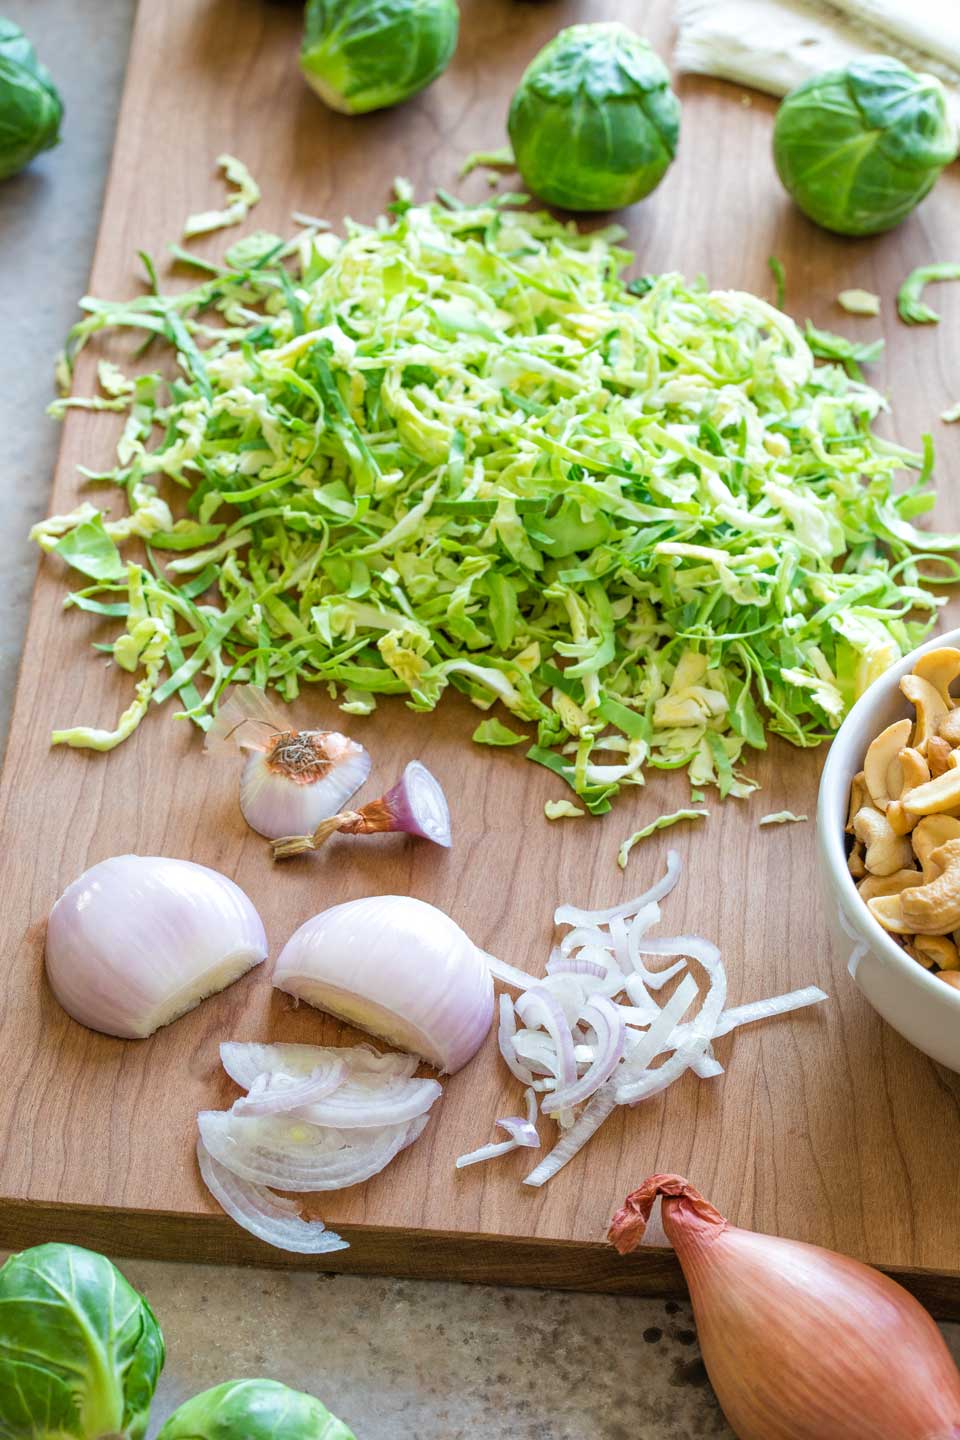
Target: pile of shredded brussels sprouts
456	448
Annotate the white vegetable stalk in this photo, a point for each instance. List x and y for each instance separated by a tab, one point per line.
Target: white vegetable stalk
139	940
398	968
293	779
774	45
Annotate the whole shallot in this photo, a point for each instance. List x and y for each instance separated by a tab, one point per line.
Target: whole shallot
800	1343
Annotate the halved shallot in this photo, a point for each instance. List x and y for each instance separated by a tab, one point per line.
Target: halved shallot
292	779
138	940
397	967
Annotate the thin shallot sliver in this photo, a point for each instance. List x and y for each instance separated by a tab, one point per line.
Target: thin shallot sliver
505	1033
485	1152
587	1123
279	1094
638	1084
359	1106
289	1154
244	1060
607	1022
538	1006
269	1217
522	1132
509	974
572	915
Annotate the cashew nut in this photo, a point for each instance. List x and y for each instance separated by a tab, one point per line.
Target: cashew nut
936	796
858	798
894	884
932	832
938	754
914	772
950	977
934	908
855	862
887	909
936	950
949	727
941	668
930	706
885	851
881	769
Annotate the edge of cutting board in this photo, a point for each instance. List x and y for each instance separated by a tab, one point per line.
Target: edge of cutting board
426	1255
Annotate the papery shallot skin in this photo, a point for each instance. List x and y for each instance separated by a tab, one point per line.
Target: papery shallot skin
801	1343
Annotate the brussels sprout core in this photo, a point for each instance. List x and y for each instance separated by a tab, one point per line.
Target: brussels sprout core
858	148
594	123
362	55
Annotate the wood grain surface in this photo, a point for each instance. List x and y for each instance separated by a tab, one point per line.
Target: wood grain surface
826	1126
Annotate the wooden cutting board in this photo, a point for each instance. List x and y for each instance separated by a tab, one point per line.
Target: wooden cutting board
826	1126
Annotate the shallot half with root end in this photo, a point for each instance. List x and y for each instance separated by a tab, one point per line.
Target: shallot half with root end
292	779
398	968
800	1343
138	940
314	1119
416	805
587	1036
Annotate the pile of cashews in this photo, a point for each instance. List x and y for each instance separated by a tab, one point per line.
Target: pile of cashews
904	818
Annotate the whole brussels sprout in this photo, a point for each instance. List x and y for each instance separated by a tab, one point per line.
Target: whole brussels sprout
30	108
362	55
253	1410
858	148
80	1350
594	123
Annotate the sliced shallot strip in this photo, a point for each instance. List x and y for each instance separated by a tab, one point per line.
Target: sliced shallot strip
538	1006
279	1094
638	1084
572	915
272	1218
485	1152
522	1132
765	1009
563	965
292	1155
509	974
600	1105
607	1022
505	1033
245	1060
587	1123
358	1106
653	979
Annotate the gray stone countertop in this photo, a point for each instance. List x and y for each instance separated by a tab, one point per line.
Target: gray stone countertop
396	1359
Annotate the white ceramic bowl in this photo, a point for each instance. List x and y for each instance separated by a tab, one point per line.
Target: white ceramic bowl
924	1010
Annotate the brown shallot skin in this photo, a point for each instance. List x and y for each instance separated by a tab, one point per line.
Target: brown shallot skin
800	1343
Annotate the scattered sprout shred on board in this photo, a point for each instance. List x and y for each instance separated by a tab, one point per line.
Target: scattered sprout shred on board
513	474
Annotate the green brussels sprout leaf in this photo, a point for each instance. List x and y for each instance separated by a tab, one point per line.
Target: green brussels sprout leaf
858	148
80	1350
594	124
911	308
253	1410
362	55
30	108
